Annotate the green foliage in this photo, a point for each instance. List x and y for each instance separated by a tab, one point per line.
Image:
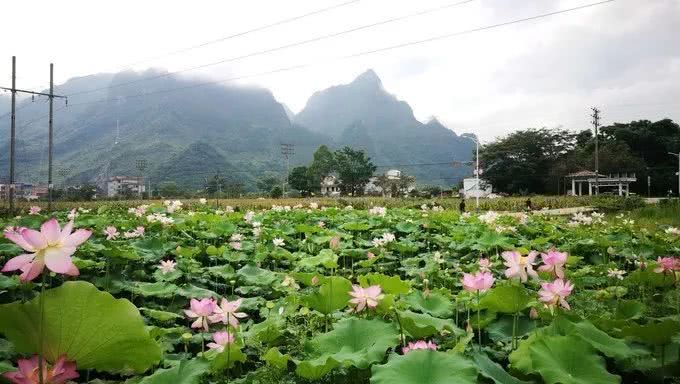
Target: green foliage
352	342
568	360
425	367
186	372
87	325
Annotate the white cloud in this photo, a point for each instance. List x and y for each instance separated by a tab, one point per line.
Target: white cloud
542	72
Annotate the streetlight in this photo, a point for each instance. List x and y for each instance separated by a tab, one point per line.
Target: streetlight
678	155
476	169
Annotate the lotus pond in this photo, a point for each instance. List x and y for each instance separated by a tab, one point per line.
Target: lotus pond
195	293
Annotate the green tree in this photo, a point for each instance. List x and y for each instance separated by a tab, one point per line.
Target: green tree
267	183
301	180
276	192
522	161
354	168
170	189
323	164
215	184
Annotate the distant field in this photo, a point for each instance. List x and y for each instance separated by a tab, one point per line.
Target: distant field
499	204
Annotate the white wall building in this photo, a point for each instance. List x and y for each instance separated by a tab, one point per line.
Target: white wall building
330	186
116	185
471	189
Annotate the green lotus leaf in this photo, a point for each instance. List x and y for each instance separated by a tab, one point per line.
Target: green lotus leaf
253	275
276	359
629	309
153	248
389	284
598	339
87	325
333	294
494	371
569	360
191	291
653	333
267	331
501	329
422	325
158	315
355	226
225	272
228	358
6	366
352	342
158	289
435	303
326	258
425	367
506	299
186	372
406	227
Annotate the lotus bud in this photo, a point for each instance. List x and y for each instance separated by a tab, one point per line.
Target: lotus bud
533	314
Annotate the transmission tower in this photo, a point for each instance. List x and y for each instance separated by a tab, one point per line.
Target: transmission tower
141	167
596	125
287	150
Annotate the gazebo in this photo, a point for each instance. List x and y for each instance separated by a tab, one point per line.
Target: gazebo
620	180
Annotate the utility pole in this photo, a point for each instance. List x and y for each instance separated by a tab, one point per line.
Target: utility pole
12	143
141	166
287	150
596	125
678	156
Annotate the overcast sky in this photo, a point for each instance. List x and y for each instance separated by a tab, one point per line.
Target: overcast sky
623	56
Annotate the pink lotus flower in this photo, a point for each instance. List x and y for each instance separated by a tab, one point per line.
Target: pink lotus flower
34	210
334	242
51	247
111	233
28	372
315	280
236	245
201	310
420	344
484	265
222	339
167	266
226	313
370	255
554	263
667	264
479	282
552	294
365	297
519	266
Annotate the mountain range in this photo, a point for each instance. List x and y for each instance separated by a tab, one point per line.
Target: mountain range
187	130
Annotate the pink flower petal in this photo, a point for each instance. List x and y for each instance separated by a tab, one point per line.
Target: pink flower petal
19	240
34	238
57	260
18	262
51	231
32	270
78	237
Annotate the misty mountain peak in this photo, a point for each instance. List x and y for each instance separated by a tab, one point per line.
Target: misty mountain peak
369	77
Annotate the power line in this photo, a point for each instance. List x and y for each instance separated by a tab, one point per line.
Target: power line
296	67
449	35
282	47
239	34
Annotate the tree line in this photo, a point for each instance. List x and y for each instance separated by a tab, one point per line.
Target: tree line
353	169
536	161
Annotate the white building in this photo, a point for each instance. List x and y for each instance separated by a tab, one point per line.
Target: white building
375	185
117	185
330	186
472	189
